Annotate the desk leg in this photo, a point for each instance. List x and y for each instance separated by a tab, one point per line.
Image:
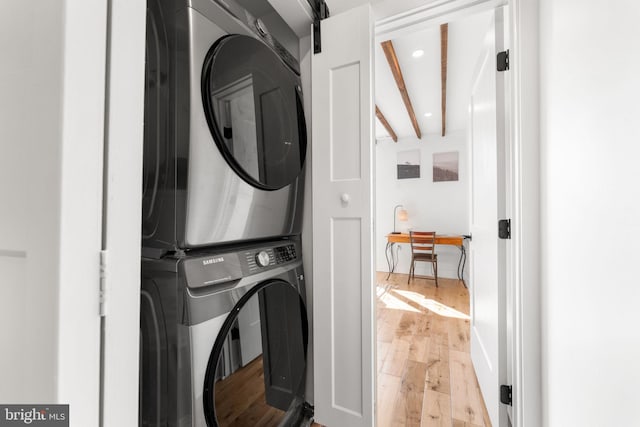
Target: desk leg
391	260
461	263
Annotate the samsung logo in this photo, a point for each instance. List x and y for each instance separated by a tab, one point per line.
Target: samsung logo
212	260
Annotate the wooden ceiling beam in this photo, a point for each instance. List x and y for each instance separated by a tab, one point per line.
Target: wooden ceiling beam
392	59
386	124
444	41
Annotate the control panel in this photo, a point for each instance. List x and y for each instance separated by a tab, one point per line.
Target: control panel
270	257
285	253
213	268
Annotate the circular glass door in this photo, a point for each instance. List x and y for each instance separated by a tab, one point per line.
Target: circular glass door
256	370
253	105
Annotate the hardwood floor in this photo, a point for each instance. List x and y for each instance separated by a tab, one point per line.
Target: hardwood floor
240	399
425	375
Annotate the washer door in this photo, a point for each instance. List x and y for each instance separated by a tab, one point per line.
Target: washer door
257	367
253	105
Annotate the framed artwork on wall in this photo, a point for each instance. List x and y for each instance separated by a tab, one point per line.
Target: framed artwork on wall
409	164
445	166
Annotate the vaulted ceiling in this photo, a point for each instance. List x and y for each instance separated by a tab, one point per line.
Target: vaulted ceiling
423	76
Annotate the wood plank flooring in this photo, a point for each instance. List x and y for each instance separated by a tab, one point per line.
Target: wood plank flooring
240	399
425	375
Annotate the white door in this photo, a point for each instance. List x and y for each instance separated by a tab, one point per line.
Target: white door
343	276
487	260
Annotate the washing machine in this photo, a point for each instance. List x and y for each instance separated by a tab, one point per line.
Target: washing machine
224	338
225	136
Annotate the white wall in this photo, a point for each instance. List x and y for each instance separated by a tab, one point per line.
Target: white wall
31	39
432	206
51	135
590	153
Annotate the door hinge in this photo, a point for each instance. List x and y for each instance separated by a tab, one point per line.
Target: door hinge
505	394
504	229
320	12
503	60
103	283
308	410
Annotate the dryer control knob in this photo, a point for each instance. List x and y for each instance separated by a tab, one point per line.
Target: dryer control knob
262	258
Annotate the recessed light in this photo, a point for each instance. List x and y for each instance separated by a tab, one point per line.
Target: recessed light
428	114
417	53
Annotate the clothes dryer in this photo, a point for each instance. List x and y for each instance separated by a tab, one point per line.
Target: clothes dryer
223	338
225	136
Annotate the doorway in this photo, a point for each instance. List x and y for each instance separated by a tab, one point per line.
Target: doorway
343	193
424	331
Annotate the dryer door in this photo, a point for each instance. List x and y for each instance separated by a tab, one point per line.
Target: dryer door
253	105
156	169
257	368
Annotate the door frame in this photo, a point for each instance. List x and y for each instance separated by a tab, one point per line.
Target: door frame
124	86
522	181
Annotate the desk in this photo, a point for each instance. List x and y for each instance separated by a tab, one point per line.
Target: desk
441	239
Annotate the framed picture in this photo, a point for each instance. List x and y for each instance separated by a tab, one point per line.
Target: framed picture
408	164
445	166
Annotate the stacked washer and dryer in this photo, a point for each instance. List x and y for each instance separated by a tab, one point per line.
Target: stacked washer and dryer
224	328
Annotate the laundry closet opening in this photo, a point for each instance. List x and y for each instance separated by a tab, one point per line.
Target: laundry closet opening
224	318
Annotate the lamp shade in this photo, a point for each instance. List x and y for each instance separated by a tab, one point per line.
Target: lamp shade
401	215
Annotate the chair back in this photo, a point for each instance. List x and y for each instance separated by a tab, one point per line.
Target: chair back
422	242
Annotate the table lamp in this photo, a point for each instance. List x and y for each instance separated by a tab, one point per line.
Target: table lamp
402	216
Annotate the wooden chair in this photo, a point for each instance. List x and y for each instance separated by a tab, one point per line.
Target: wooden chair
423	245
